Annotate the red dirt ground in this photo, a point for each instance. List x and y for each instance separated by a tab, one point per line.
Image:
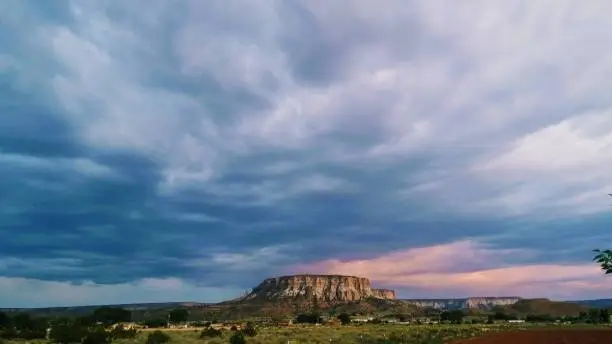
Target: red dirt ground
552	336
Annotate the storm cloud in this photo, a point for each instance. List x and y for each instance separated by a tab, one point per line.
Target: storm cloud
202	146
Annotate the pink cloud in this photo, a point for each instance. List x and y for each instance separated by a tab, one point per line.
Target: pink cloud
471	269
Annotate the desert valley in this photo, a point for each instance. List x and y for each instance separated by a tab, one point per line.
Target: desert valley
329	309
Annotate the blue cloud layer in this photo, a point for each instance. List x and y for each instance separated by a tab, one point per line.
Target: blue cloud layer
220	144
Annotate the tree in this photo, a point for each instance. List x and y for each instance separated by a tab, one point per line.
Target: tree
121	332
333	311
249	330
111	315
604	316
26	327
85	321
97	336
344	318
155	323
178	315
157	337
237	338
66	333
454	316
539	318
604	258
5	320
499	315
22	321
596	316
311	318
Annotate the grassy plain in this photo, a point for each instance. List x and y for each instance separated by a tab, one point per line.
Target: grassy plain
366	334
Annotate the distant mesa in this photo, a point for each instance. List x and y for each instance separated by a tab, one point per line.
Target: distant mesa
299	293
296	294
325	289
483	303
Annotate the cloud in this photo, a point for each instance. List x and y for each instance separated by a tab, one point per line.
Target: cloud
576	152
81	166
299	132
374	99
577	143
469	268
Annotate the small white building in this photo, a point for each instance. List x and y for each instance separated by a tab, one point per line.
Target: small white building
516	321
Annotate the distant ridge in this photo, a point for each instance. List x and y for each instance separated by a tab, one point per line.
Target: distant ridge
597	303
479	302
452	302
89	308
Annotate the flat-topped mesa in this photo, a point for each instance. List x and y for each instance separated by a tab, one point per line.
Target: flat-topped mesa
387	294
486	303
324	288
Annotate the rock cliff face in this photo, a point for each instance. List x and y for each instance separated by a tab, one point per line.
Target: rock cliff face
490	302
467	303
387	294
318	288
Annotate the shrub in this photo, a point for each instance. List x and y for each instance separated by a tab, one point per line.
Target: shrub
179	315
237	338
110	315
157	337
250	330
121	332
8	333
35	333
344	318
310	318
67	334
97	336
155	323
210	333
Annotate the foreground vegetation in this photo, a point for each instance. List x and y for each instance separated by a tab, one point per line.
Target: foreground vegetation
105	325
367	334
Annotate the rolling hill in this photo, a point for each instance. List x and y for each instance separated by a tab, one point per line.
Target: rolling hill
543	307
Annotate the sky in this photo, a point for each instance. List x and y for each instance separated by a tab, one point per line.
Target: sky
174	150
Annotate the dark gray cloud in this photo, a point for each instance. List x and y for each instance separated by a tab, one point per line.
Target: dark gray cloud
208	146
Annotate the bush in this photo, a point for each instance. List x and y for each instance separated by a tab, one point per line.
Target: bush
210	333
250	330
67	334
120	332
97	336
155	323
110	315
309	318
237	338
157	337
8	333
344	318
35	333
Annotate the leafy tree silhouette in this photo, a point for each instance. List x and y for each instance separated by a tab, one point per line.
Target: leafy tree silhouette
604	258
